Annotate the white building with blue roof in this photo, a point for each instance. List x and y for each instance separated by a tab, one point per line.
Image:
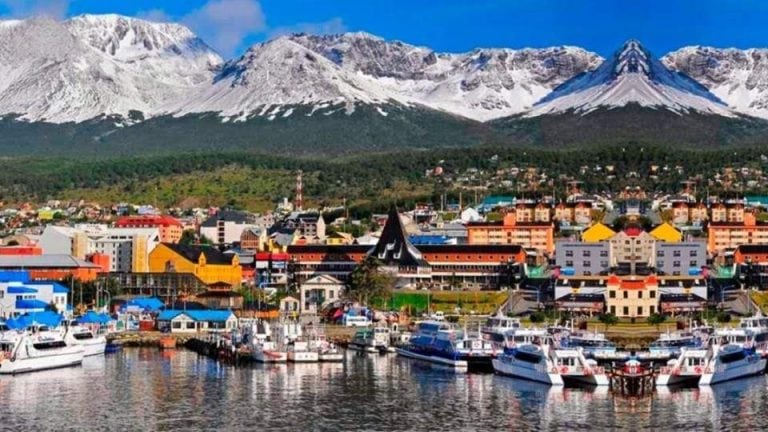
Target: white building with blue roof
193	321
19	295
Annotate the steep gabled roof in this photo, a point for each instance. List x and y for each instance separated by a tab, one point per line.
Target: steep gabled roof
393	247
192	253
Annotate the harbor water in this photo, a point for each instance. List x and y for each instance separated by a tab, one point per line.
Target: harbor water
147	389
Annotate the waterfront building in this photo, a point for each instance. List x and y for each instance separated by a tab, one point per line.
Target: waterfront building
318	292
192	321
730	234
169	227
205	262
431	266
511	231
20	294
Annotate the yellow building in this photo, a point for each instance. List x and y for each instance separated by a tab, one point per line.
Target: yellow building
205	262
632	298
666	232
597	233
339	238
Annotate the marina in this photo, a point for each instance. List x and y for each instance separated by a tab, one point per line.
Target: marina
148	389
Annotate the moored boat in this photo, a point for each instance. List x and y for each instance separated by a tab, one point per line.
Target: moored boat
92	344
438	343
372	340
34	349
299	352
530	361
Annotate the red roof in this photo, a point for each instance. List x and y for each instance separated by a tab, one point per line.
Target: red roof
147	220
264	256
633	231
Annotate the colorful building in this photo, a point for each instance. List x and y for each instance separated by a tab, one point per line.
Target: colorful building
205	262
51	267
597	233
724	235
510	231
169	227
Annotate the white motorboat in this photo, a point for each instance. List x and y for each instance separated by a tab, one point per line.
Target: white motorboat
37	348
439	343
717	364
752	332
92	343
327	351
497	326
528	360
575	368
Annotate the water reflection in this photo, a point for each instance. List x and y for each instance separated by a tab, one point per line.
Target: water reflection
147	389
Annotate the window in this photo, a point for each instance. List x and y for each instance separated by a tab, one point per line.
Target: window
626	295
660	253
676	253
693	263
604	253
626	310
569	263
176	325
587	263
639	294
603	263
676	263
569	253
651	310
693	253
639	310
653	295
190	325
612	293
659	263
586	253
613	310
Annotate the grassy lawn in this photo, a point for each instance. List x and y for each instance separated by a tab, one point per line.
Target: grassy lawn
480	302
761	299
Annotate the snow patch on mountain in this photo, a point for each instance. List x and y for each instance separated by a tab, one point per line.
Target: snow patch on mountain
632	76
738	77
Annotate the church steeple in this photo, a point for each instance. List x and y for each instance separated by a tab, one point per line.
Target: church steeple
394	247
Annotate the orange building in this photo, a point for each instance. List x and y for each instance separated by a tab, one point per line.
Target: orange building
51	267
756	254
510	231
170	228
731	235
20	250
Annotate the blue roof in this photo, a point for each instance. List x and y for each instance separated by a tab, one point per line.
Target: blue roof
30	304
498	200
21	290
14	276
428	239
92	317
196	315
144	303
51	319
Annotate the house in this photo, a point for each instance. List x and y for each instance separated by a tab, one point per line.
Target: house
632	298
290	305
253	239
319	291
193	321
205	262
220	299
19	294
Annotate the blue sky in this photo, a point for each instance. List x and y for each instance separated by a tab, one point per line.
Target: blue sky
448	25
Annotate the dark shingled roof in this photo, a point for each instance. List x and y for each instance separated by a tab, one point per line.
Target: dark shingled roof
753	248
192	253
240	217
394	247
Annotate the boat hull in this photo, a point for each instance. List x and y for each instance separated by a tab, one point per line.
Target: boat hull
364	348
457	365
270	357
677	380
590	380
303	357
64	357
528	372
742	370
95	347
331	357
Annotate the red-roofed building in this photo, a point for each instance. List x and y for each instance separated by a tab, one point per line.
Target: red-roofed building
632	297
170	228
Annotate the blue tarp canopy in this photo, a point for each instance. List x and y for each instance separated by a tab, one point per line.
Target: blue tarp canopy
149	304
92	317
51	319
30	304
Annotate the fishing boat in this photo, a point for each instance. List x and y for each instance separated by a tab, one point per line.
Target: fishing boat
298	351
36	348
528	358
264	348
439	343
372	340
327	351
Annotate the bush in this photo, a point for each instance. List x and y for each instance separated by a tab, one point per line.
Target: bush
538	317
723	317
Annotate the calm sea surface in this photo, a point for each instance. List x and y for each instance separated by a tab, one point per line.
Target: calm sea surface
145	389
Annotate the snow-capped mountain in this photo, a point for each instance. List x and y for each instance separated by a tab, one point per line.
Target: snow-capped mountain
92	66
351	68
737	77
631	76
